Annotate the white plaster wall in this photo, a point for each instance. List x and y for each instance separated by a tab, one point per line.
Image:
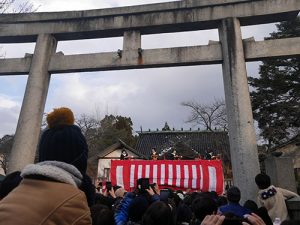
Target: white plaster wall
106	163
103	163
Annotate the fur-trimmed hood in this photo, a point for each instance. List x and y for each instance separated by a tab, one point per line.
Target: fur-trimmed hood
55	170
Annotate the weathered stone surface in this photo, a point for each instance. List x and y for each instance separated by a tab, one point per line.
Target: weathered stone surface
258	50
127	10
153	58
243	146
30	119
151	22
293	206
281	171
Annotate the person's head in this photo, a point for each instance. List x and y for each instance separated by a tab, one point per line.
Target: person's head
262	181
232	219
188	199
262	212
137	208
251	205
158	213
222	200
101	214
183	213
178	197
203	206
10	182
63	141
233	194
103	200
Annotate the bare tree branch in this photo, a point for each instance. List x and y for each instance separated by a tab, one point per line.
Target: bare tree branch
209	116
5	148
4	162
13	6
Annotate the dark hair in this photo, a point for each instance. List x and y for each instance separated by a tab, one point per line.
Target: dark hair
203	206
262	212
10	182
101	214
222	200
159	213
183	213
177	199
89	189
263	181
251	205
290	222
137	208
231	219
233	194
104	200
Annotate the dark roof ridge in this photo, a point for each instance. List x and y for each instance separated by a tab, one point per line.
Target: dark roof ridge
295	139
119	143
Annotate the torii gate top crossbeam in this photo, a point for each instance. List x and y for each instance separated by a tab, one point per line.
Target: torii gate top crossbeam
148	19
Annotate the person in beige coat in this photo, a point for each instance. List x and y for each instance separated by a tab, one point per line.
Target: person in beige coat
49	193
273	198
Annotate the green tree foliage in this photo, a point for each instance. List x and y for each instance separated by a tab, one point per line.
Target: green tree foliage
101	134
114	128
276	94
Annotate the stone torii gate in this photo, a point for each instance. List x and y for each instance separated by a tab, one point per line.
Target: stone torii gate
46	29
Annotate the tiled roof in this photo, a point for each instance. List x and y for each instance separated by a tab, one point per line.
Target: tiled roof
119	144
294	140
200	141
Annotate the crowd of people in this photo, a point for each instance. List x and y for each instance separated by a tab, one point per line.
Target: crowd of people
56	190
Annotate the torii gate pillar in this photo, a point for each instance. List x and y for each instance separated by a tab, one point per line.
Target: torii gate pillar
243	146
30	119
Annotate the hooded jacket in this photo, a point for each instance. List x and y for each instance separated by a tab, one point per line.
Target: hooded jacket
47	195
273	198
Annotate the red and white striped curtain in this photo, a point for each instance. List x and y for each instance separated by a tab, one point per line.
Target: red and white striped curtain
200	175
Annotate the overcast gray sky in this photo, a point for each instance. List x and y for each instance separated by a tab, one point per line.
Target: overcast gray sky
149	96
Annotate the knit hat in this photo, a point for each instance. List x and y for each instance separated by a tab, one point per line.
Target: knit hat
63	141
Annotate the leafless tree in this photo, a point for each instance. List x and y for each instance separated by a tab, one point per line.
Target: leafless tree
4	162
5	147
91	129
16	6
88	125
210	116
